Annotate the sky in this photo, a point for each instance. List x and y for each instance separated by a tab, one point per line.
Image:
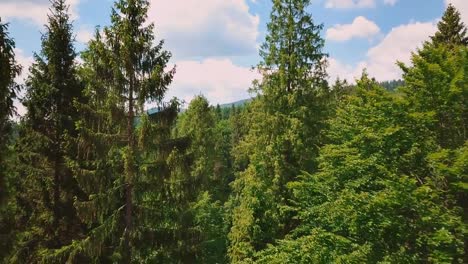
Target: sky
215	42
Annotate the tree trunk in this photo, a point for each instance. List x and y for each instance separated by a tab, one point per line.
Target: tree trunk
129	175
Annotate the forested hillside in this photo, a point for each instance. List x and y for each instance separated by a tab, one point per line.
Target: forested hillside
307	171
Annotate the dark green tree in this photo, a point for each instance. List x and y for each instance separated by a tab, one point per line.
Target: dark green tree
47	184
451	30
134	173
9	70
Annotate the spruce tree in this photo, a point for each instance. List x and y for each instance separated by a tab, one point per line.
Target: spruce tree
134	173
210	149
284	129
47	185
9	70
451	30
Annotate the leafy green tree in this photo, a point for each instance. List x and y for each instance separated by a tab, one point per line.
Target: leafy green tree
437	83
284	129
450	171
374	199
451	30
47	184
9	70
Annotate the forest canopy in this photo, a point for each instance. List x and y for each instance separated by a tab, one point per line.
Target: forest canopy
307	171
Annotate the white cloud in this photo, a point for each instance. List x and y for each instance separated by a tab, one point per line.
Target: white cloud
220	80
381	59
359	28
338	69
344	4
84	35
462	6
32	10
194	28
390	2
25	61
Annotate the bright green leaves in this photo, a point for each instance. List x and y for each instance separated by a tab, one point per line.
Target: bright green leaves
374	189
437	84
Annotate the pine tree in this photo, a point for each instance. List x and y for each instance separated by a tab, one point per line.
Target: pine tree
284	129
48	187
9	70
451	30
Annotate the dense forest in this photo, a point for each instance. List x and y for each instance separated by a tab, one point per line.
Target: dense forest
308	171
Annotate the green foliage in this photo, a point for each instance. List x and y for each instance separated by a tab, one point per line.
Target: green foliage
9	70
451	30
437	84
283	130
47	186
373	199
302	173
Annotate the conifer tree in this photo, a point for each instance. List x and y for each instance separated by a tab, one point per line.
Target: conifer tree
9	70
285	129
209	147
47	184
133	172
451	30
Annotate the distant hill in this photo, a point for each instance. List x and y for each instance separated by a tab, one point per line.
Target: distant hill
236	103
392	85
155	110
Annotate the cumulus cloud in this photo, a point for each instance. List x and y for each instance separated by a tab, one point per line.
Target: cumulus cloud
194	28
220	80
462	6
31	10
344	4
359	28
84	35
381	59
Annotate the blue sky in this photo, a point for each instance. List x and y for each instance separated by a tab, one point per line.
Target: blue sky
215	42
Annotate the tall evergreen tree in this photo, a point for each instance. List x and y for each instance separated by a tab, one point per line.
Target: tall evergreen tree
451	30
48	187
285	129
211	169
9	70
134	174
